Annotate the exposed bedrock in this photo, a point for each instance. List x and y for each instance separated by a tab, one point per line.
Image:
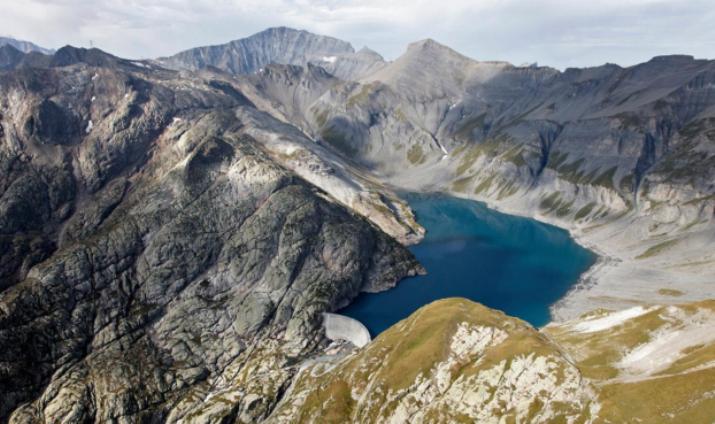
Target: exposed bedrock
161	254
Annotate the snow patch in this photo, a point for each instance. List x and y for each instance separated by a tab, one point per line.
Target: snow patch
90	125
599	324
93	99
667	344
329	59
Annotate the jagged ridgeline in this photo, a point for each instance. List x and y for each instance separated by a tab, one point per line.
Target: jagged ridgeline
172	230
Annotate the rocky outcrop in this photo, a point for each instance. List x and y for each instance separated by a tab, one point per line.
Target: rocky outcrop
452	360
157	258
457	361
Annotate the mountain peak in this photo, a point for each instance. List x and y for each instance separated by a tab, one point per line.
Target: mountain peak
70	55
24	46
281	45
428	44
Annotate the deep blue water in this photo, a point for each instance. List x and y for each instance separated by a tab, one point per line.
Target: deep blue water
514	264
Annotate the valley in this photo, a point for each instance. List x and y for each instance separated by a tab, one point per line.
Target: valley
173	232
509	263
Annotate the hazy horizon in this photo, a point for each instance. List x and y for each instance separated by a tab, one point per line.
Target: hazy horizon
553	33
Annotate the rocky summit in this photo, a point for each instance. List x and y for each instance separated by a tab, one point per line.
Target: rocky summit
174	233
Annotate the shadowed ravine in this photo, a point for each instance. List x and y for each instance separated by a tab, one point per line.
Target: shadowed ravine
514	264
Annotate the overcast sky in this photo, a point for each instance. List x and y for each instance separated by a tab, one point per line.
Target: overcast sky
559	33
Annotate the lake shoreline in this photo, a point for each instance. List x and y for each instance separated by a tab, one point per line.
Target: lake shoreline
512	263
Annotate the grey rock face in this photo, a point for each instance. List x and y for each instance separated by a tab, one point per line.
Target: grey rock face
280	46
608	127
275	45
154	255
352	66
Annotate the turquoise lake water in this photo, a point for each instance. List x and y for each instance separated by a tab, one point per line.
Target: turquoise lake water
514	264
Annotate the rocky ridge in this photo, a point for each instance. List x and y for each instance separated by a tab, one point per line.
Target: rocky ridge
157	248
457	361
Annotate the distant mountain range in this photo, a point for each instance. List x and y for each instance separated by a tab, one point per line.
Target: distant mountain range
24	46
172	230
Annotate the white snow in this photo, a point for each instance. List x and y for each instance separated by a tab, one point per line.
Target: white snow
90	125
329	59
611	320
95	76
93	98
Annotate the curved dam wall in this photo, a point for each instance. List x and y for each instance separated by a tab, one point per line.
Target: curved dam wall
340	327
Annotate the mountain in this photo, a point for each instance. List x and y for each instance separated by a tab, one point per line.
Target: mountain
248	55
157	217
431	70
9	57
24	46
284	46
457	361
352	66
620	156
173	233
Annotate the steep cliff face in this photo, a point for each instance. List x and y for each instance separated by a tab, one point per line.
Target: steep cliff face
155	252
457	361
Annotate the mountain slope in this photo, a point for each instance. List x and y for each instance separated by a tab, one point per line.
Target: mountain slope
24	46
248	55
620	156
9	57
156	249
170	240
457	361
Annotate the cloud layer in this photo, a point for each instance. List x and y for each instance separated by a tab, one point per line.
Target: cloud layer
559	33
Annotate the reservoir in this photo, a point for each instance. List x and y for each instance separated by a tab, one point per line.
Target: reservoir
514	264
